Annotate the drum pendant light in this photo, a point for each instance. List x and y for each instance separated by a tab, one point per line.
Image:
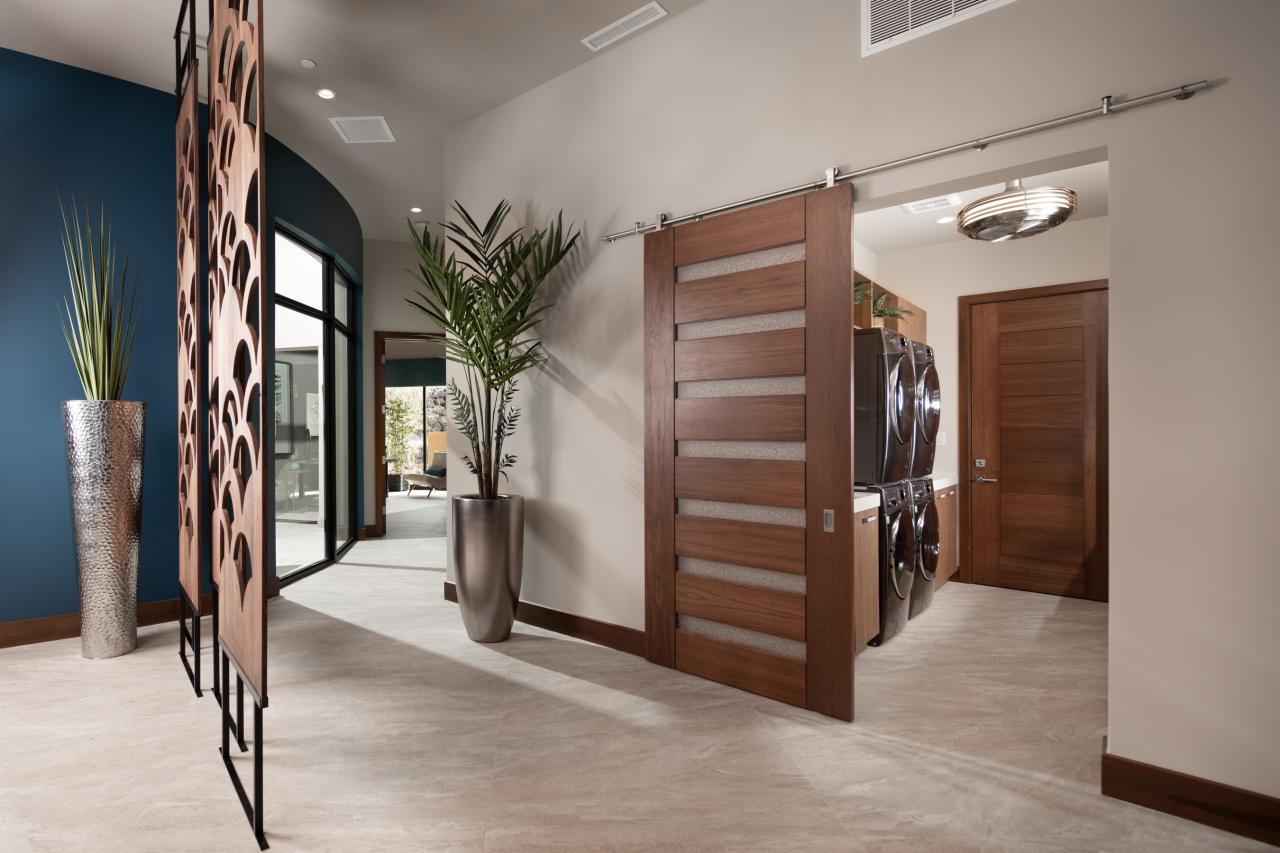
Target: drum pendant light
1016	213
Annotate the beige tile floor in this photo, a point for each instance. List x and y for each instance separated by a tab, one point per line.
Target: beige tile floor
978	729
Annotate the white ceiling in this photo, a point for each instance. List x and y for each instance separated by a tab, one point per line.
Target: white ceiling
426	66
892	229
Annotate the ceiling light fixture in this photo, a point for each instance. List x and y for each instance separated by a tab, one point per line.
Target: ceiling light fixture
945	220
308	63
1016	213
415	210
327	94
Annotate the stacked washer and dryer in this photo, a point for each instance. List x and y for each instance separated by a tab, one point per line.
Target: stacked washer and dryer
897	407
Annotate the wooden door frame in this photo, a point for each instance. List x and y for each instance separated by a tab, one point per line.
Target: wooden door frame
963	474
380	338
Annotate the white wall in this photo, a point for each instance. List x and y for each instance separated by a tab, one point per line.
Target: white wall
386	285
934	277
736	97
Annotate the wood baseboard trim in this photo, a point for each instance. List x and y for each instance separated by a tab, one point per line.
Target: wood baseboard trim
23	632
1236	810
617	637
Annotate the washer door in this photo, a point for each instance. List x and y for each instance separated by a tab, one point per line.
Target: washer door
902	416
928	402
903	557
928	542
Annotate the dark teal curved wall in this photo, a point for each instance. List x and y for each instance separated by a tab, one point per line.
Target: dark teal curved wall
69	131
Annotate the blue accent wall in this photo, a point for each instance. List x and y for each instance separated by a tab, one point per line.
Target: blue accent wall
72	132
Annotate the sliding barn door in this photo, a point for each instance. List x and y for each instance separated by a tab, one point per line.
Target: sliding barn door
238	328
748	481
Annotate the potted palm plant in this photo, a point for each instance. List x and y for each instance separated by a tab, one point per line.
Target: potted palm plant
485	298
104	437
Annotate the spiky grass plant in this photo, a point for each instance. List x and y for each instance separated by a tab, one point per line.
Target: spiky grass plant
880	306
100	325
484	297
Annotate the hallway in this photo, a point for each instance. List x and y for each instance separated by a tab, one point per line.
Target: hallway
389	730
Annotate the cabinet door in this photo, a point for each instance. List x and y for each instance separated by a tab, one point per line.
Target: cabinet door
866	577
947	533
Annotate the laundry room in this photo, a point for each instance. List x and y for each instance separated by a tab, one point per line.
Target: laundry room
980	439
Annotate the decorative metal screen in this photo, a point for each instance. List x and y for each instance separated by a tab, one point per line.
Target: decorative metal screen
190	357
238	319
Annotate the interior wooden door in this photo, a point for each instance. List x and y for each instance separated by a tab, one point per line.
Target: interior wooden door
748	470
1036	441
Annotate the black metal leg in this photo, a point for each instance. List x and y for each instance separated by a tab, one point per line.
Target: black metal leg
189	639
217	682
252	809
240	714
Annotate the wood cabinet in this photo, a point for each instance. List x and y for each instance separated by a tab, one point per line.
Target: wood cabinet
915	325
948	534
866	577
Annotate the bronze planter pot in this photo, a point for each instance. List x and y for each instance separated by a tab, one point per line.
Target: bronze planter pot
104	470
486	541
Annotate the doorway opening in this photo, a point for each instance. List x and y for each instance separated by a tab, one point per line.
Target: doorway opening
410	427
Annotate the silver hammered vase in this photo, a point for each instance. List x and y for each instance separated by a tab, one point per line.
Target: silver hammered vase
487	544
104	468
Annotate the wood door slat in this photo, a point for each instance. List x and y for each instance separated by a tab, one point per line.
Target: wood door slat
1042	576
772	418
1042	412
1036	314
753	670
1043	478
738	294
776	547
767	226
764	482
1058	512
1041	445
1045	377
1044	345
753	355
755	608
1042	543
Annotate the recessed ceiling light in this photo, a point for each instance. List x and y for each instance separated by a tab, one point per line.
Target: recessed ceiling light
327	94
415	210
945	220
308	63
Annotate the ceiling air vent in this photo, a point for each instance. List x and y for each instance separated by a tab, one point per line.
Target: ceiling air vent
928	205
623	27
359	129
886	23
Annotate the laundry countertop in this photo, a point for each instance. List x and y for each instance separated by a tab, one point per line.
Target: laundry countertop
864	500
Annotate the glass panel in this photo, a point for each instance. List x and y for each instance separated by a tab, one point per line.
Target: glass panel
299	440
342	439
341	298
299	272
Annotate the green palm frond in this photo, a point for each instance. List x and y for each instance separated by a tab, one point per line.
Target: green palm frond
485	296
100	323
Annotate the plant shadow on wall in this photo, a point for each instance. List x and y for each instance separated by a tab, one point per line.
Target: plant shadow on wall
486	298
104	436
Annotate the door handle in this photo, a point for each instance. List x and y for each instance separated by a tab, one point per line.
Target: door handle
981	479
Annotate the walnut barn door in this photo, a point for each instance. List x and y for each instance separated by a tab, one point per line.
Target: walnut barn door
748	480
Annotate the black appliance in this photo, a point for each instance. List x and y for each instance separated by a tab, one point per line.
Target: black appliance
884	406
924	516
928	410
897	559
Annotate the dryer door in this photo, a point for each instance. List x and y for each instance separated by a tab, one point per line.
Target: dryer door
902	391
928	402
903	556
928	542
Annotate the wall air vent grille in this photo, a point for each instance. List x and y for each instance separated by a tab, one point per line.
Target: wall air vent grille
361	129
625	26
887	23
